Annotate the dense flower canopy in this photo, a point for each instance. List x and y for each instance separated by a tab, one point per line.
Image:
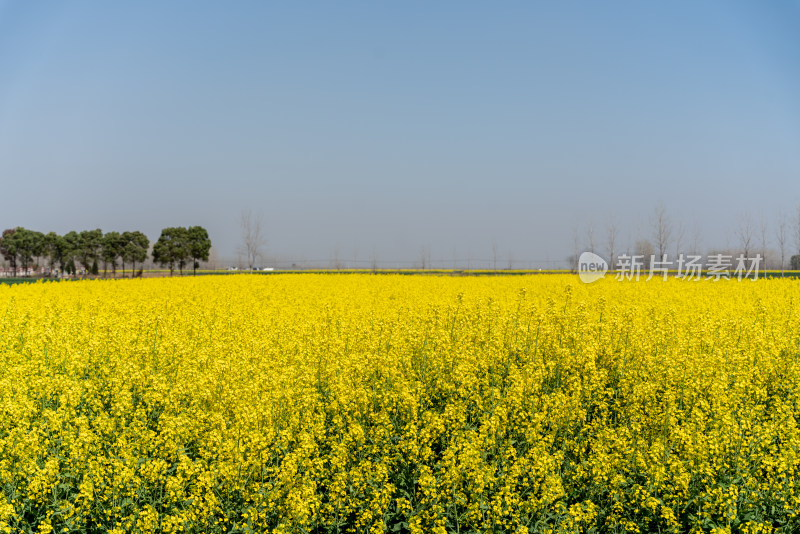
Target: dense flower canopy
359	403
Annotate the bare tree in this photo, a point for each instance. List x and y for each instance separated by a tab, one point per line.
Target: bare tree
575	249
336	261
797	231
590	235
213	258
252	238
662	231
695	238
374	260
744	232
425	256
762	227
494	254
679	239
644	248
510	265
781	237
612	241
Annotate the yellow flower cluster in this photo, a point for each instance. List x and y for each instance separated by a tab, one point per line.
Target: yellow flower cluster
391	403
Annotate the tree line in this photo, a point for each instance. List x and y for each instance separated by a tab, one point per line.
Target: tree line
23	248
747	236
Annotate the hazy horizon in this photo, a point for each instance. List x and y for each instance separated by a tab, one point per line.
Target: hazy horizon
378	130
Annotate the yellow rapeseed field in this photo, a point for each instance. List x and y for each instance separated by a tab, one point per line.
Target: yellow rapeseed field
359	403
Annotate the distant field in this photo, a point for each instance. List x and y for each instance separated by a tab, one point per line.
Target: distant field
160	273
24	280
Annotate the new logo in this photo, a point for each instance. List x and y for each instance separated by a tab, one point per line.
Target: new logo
591	267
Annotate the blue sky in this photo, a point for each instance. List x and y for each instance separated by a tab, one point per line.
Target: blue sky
380	128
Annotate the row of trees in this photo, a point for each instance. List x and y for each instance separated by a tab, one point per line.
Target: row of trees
23	248
178	245
749	237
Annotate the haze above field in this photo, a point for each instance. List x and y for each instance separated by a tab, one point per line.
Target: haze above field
365	130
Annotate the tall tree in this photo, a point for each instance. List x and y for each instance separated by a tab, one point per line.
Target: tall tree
797	230
199	246
172	248
762	226
679	235
696	238
781	237
252	240
590	237
662	231
90	243
645	250
745	233
56	250
612	241
110	249
30	244
8	248
134	249
72	244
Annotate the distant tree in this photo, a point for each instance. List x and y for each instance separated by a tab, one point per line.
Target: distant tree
111	248
590	237
29	244
645	249
8	248
213	258
612	242
162	255
745	233
797	230
680	233
199	246
134	249
762	227
373	260
781	237
72	244
71	241
336	261
794	262
54	250
662	231
696	238
573	259
50	241
425	257
90	243
252	240
172	248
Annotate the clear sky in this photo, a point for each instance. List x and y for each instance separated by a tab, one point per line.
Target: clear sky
384	127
